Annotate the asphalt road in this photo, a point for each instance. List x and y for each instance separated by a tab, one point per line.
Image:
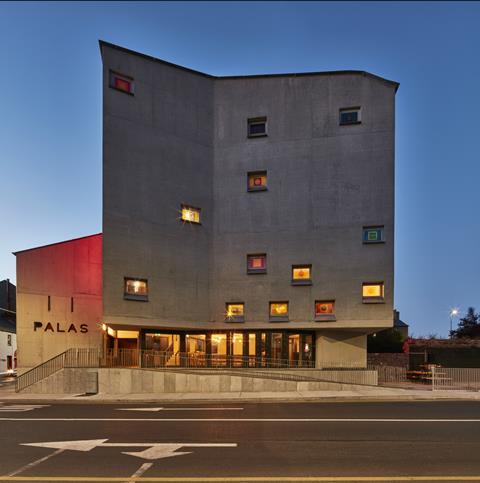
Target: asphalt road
407	441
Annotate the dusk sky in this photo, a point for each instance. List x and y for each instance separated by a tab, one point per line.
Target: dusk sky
51	106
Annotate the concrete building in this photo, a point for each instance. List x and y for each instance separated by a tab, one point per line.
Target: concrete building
247	216
8	340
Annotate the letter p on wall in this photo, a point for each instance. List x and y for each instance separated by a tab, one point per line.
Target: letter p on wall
37	325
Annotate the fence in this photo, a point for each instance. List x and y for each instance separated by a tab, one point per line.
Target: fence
455	378
435	378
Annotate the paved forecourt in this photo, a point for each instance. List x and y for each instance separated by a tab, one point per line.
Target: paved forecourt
408	441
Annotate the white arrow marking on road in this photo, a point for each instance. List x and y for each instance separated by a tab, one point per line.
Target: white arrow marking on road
179	409
79	445
158	451
163	449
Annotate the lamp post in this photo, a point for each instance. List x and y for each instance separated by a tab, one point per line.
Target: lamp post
453	313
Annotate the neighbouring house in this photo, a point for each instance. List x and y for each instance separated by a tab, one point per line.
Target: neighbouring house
8	338
399	325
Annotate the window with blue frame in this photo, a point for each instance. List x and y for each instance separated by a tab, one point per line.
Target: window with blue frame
373	234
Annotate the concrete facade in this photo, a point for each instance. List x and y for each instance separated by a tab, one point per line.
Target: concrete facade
60	287
182	138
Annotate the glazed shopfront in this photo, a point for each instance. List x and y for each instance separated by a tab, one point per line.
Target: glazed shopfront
256	348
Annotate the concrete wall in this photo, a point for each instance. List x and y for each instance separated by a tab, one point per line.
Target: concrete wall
138	381
61	271
182	139
325	182
67	381
157	154
341	349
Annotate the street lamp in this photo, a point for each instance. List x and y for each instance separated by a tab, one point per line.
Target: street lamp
453	313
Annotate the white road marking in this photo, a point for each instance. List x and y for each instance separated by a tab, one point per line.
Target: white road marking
79	445
179	409
142	470
158	452
250	420
89	444
36	462
20	408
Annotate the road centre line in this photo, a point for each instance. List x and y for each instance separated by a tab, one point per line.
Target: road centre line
240	479
249	420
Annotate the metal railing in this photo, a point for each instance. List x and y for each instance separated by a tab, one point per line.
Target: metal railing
455	379
41	371
164	359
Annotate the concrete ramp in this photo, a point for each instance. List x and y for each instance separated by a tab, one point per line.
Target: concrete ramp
201	381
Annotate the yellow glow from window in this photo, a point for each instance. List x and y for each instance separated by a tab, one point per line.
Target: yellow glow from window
127	334
279	308
136	287
235	310
104	327
190	214
373	290
111	332
301	273
257	180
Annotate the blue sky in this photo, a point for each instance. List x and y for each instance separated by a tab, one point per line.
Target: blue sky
50	106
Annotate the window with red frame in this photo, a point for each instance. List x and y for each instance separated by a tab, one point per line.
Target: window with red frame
324	308
257	263
121	83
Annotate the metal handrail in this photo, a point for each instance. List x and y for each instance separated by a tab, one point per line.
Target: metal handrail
41	371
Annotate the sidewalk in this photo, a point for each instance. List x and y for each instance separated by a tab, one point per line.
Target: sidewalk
380	394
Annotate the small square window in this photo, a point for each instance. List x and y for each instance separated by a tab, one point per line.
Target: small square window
257	181
301	275
235	312
351	115
373	292
257	127
190	214
9	339
121	83
373	234
278	311
325	310
257	263
136	289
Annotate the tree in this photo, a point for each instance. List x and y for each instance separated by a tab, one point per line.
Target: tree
468	326
390	340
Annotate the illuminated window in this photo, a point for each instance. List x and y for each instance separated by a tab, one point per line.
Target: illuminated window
373	234
257	181
121	83
235	312
190	214
324	309
257	127
301	275
279	311
350	116
257	263
136	289
373	292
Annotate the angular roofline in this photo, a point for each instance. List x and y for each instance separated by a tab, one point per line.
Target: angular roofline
56	243
254	76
